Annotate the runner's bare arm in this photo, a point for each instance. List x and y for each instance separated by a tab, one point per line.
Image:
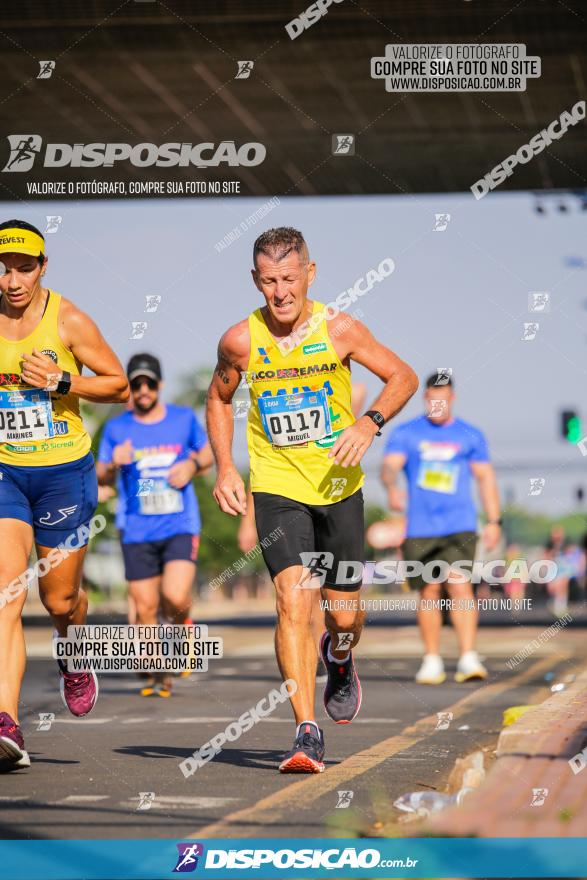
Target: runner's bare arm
353	341
122	454
106	473
204	459
83	338
247	530
489	494
393	463
233	356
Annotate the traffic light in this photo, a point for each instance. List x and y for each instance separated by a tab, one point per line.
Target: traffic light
570	426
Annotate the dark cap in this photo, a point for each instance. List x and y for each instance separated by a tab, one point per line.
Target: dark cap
144	365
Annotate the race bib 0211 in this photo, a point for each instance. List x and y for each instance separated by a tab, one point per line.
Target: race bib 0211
290	419
25	415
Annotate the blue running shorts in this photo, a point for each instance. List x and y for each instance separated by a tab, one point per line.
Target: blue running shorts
55	500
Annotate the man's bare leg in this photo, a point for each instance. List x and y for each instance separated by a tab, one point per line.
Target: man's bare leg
464	615
294	642
343	615
430	620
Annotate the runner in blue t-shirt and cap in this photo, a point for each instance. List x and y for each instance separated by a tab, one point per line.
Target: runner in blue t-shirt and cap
156	449
439	454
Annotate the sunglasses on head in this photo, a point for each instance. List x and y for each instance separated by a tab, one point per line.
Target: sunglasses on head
136	384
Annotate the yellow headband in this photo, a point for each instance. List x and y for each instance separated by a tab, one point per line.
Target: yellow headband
21	241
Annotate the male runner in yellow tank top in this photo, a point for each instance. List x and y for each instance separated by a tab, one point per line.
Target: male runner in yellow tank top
305	447
48	488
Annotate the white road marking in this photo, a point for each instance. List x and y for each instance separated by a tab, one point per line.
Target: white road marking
80	799
211	719
173	802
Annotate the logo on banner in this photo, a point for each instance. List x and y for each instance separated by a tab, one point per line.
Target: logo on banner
25	147
187	860
23	151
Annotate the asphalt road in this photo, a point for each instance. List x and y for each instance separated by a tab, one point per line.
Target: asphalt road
87	775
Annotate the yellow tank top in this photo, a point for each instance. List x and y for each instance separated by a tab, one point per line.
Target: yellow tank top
296	396
52	420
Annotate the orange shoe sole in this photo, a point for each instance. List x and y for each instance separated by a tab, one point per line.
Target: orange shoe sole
301	763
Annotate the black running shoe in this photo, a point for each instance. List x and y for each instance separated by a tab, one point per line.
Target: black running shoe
307	753
321	671
342	694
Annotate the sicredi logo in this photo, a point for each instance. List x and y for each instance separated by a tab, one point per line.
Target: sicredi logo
314	348
24	149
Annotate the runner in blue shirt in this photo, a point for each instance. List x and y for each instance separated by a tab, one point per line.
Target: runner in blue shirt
440	455
155	449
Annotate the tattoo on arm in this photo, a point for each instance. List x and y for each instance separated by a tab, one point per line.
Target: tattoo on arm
222	374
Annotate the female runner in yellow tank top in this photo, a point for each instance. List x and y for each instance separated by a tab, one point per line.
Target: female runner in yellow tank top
48	488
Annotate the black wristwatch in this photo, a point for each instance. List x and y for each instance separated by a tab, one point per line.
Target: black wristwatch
64	384
495	522
377	419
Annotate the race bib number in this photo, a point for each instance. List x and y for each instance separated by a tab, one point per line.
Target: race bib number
25	415
289	419
158	497
438	476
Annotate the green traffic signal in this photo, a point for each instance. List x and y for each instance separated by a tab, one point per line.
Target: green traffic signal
570	426
574	429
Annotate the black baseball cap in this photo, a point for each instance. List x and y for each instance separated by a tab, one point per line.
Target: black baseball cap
144	365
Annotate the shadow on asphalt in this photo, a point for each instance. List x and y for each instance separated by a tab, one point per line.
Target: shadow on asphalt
260	759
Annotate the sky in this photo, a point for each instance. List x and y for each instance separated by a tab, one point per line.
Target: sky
457	298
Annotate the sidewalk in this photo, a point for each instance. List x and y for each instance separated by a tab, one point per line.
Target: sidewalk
532	789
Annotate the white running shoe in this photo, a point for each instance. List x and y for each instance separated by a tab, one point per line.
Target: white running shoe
470	667
431	671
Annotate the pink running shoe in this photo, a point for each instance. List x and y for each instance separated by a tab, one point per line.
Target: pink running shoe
79	690
12	751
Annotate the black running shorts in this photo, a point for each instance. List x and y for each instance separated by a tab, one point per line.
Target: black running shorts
444	548
148	559
326	535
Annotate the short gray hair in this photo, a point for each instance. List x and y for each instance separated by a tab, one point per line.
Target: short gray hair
279	243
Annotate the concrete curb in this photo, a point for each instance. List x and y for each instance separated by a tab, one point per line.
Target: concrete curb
532	789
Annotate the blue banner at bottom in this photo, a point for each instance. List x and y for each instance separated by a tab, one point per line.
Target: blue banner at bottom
291	857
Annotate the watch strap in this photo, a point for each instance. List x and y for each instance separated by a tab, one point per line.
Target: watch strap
377	419
64	384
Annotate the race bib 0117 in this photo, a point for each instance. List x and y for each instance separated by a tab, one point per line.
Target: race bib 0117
290	419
